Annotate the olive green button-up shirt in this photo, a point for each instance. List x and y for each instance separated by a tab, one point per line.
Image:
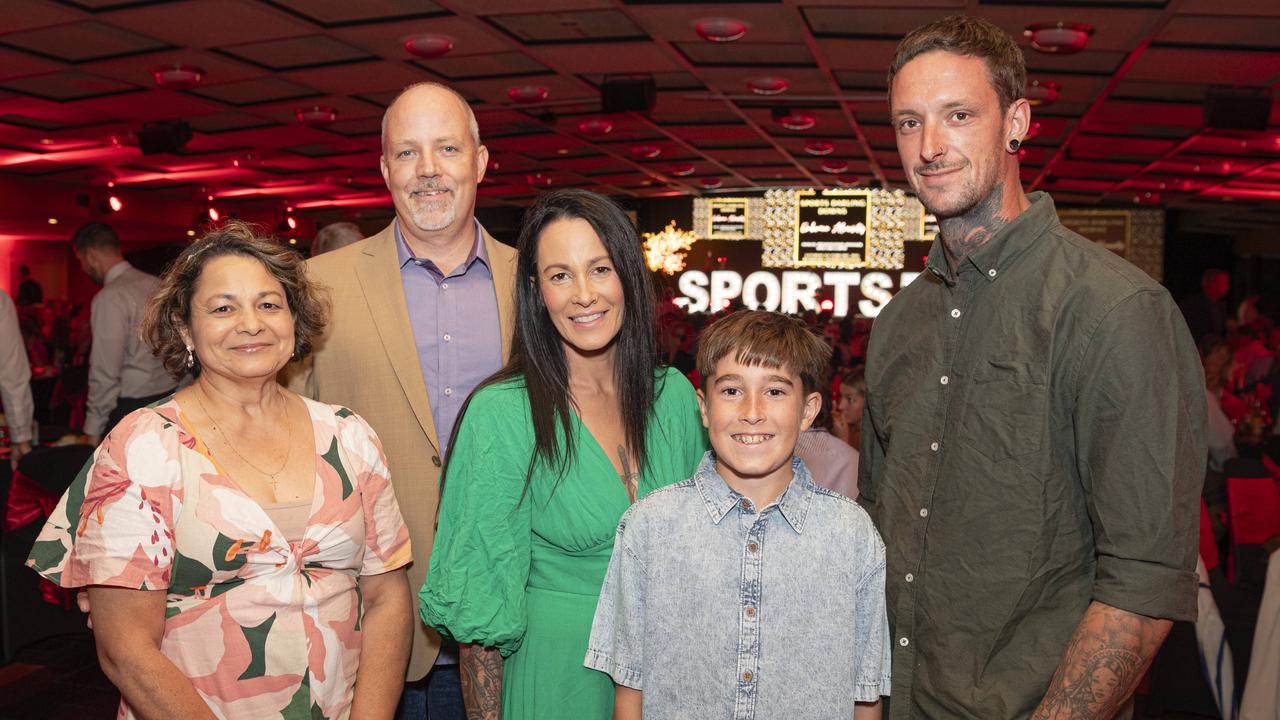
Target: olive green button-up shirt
1033	440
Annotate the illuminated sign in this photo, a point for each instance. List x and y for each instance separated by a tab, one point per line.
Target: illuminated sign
791	291
831	230
727	219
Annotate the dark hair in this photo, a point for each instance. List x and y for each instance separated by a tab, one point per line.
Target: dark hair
537	351
976	37
24	270
169	311
95	234
759	338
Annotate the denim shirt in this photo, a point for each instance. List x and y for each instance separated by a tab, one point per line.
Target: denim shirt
715	608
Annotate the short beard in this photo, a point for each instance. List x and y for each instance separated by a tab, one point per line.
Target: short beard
422	218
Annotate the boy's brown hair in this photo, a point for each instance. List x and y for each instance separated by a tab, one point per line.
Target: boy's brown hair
758	338
975	37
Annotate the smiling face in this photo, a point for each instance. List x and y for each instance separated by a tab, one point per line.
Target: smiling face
430	162
952	134
753	415
240	327
580	287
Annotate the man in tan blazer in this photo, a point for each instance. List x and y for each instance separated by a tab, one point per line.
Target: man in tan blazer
422	312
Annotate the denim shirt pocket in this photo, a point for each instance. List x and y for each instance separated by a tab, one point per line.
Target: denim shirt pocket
1006	408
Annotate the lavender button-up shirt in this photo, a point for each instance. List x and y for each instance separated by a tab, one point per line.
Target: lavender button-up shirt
455	327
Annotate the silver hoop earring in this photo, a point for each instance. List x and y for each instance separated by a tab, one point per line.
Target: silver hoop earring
191	358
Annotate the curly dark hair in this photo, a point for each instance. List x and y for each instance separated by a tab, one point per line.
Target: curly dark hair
169	311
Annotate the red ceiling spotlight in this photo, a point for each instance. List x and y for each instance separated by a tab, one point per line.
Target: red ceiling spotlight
835	166
819	147
683	170
1042	92
316	115
768	85
794	119
213	214
711	183
177	77
1062	38
527	94
537	179
596	127
114	202
847	180
646	152
720	29
428	45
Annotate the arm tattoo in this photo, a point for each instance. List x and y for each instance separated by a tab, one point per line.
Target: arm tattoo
481	675
1103	662
962	234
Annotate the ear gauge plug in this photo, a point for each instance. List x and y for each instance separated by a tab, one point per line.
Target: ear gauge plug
1014	144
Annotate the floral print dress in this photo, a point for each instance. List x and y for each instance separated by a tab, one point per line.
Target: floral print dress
262	627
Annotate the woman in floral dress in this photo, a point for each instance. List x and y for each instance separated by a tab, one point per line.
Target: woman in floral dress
242	546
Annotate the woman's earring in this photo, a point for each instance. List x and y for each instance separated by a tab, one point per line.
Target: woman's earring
191	358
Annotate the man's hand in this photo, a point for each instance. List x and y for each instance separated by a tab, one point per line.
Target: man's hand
16	453
1107	656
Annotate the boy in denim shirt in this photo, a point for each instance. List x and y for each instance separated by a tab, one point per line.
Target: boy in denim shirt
747	591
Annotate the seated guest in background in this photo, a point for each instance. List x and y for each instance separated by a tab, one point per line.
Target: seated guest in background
852	394
334	236
747	584
242	545
124	374
15	382
547	455
1218	360
832	462
1206	311
29	291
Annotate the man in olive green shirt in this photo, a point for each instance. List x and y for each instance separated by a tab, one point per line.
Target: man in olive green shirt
1033	442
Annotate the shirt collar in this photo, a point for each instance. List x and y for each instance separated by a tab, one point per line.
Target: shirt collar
720	498
116	271
1009	242
478	251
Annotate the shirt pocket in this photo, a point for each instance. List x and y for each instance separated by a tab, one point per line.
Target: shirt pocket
1005	412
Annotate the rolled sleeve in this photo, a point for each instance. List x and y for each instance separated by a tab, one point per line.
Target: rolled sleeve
616	646
15	374
1139	428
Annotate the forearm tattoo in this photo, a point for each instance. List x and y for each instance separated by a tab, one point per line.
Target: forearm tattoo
1104	661
481	675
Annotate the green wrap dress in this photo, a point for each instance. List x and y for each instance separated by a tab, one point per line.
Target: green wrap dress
524	575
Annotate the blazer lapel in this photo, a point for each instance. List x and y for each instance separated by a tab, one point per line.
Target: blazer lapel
380	280
502	261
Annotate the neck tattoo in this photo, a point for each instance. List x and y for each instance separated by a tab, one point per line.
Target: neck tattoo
965	233
271	475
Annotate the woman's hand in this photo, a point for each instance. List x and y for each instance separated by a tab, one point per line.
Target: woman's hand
386	636
128	626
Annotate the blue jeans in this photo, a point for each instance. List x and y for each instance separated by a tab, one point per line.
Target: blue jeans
438	696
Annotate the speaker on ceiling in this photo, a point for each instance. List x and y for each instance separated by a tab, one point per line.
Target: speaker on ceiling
628	93
1237	108
166	136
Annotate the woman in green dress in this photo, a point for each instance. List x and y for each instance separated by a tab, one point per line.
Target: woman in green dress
547	455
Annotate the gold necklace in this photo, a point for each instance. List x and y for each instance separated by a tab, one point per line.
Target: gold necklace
287	455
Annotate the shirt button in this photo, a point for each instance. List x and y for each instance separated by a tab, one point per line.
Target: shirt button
924	512
991	272
745	504
746	676
903	642
752	547
945	380
447	338
955	313
934	446
910	577
448	391
751	612
444	286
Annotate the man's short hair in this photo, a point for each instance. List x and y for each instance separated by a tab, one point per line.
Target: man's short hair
96	234
975	37
471	115
758	338
335	235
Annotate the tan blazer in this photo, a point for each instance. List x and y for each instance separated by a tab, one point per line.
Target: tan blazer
367	361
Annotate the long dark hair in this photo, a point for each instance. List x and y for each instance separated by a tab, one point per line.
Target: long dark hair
537	351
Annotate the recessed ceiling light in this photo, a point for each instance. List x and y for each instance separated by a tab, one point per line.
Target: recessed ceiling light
711	183
177	77
683	170
1042	92
819	147
1062	38
720	29
53	221
313	116
526	94
835	166
646	152
797	120
595	126
428	45
768	85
